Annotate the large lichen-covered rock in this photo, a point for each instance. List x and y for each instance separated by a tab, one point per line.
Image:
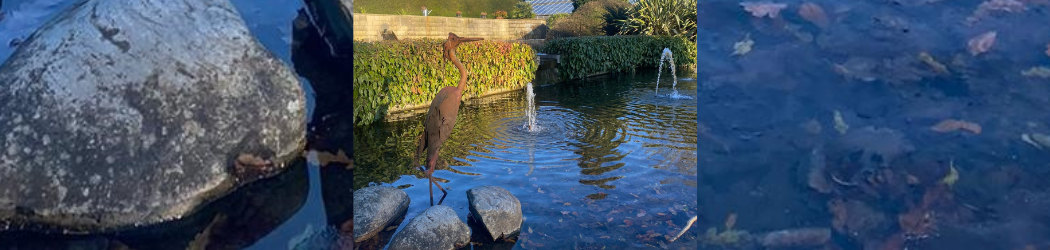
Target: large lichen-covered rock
375	208
437	228
497	209
122	113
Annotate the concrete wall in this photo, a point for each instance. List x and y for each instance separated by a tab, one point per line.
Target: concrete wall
370	27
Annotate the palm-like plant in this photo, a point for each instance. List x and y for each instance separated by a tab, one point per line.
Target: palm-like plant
662	18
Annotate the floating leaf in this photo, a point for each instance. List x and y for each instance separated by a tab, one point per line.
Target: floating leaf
628	222
564	212
641	213
1038	71
1048	49
743	46
567	204
949	125
814	14
981	43
761	9
988	7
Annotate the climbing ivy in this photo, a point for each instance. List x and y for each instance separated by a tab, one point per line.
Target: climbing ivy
410	72
583	56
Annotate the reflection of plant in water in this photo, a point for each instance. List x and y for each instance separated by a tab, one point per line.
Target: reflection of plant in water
383	151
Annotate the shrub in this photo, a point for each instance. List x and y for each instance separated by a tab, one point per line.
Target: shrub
522	10
410	72
661	18
553	19
583	56
500	14
596	18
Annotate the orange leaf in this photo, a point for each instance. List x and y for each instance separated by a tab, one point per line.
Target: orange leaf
760	9
628	222
981	43
814	14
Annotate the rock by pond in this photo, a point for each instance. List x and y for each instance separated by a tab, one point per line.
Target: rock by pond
437	227
122	113
375	208
497	209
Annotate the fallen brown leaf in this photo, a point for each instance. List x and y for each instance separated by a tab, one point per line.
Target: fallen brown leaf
814	14
981	43
988	7
761	9
949	125
628	222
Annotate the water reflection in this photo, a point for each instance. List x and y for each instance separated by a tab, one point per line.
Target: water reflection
611	158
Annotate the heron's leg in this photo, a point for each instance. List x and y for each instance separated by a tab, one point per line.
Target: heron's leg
431	174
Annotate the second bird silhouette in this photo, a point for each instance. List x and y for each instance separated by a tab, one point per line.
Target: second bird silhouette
441	117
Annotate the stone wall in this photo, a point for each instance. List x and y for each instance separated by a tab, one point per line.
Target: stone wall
370	27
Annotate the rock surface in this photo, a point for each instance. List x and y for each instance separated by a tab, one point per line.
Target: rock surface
438	227
375	208
497	209
122	113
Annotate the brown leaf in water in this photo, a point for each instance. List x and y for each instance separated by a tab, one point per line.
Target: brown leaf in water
609	220
933	63
949	125
761	9
567	204
730	221
628	222
981	43
325	158
1048	49
814	14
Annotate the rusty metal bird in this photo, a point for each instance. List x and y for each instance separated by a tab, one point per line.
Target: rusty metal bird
441	117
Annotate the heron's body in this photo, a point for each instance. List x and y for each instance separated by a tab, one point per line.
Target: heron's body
441	117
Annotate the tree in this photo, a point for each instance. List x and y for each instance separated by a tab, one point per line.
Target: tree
522	10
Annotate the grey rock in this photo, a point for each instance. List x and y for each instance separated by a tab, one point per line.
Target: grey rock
437	228
375	208
124	113
497	209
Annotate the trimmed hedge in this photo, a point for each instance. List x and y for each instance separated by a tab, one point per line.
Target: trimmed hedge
410	72
448	8
584	56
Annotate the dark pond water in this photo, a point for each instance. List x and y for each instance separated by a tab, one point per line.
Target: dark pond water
298	209
613	167
880	124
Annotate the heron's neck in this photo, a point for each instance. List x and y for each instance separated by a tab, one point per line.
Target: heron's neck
462	72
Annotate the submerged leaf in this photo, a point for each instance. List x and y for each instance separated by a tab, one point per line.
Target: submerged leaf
933	63
840	124
814	14
952	176
743	46
949	125
981	43
1038	71
730	221
760	9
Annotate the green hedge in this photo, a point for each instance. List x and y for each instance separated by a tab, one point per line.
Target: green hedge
410	72
469	8
583	56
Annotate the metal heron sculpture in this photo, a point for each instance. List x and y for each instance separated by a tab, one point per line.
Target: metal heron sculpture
441	117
